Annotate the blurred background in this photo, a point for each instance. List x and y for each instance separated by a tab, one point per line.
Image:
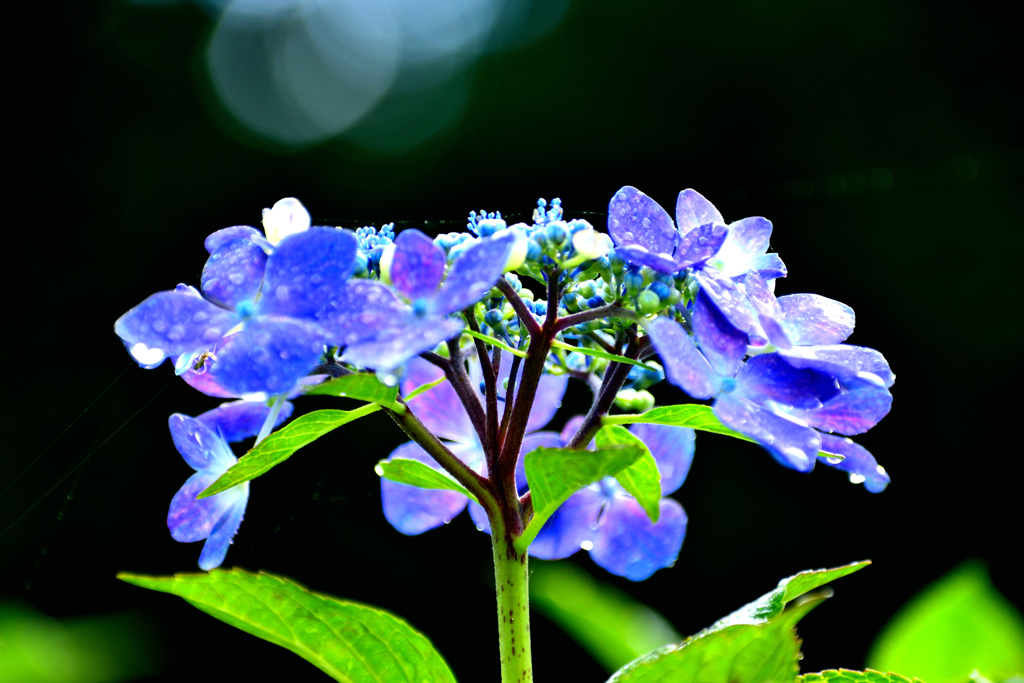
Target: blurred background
881	138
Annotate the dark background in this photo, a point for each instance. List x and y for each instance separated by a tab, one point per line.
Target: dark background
880	137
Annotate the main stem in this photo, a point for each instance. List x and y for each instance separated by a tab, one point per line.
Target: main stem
511	582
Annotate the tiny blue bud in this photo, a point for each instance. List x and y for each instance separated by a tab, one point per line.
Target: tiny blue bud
557	233
493	318
661	289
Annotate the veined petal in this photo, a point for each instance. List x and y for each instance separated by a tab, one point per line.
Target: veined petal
732	302
813	320
748	240
475	271
172	323
685	366
672	448
393	347
572	525
858	461
412	510
769	377
693	210
199	444
857	409
700	244
843	361
238	420
216	546
791	442
417	266
192	520
440	409
723	345
234	272
359	311
636	219
306	271
627	544
269	355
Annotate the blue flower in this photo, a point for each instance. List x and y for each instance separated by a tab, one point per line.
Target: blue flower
203	443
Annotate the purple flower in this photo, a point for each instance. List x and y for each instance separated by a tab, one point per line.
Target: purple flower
203	443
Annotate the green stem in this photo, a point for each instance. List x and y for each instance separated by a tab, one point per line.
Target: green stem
511	579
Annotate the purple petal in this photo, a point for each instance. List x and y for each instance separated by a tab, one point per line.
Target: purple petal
693	210
770	377
572	425
732	302
475	271
192	520
571	525
359	310
393	347
723	345
240	420
269	356
699	245
418	265
234	272
842	361
637	255
207	383
216	546
769	312
199	444
747	241
306	271
858	461
685	366
672	448
634	219
440	408
812	320
769	266
854	411
172	323
791	442
627	544
413	510
218	239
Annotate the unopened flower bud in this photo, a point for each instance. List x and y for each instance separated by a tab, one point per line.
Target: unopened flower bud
287	217
631	399
648	302
591	244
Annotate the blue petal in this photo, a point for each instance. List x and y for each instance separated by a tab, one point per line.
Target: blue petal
240	420
306	271
672	448
747	241
637	255
172	323
440	409
395	346
769	266
791	442
857	409
412	510
572	524
723	345
234	272
269	356
693	210
842	361
199	444
418	265
627	544
858	461
700	244
247	233
191	520
359	310
685	367
813	320
732	302
634	219
770	377
769	312
216	546
475	271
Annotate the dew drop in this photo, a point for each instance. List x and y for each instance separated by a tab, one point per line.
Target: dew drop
856	478
587	545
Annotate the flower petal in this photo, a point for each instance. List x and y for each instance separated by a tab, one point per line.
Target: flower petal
700	244
732	302
248	233
238	420
634	219
627	544
417	266
192	520
172	323
748	240
858	461
769	266
393	347
359	310
791	442
693	211
722	344
234	273
843	361
639	256
857	409
475	271
412	510
440	409
672	448
269	356
685	366
770	377
547	400
813	320
216	546
306	271
572	524
769	312
200	444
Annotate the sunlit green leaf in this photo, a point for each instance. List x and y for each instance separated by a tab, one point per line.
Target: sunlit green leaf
613	627
361	386
554	474
422	389
494	342
348	641
642	479
280	445
847	676
956	625
599	354
415	473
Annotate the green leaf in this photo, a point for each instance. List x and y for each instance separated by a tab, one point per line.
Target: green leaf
424	388
642	479
416	473
958	624
280	445
599	354
554	474
847	676
494	342
613	627
361	386
350	642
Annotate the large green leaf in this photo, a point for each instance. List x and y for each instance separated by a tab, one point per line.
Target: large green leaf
280	445
416	473
554	474
361	386
350	642
642	478
957	624
847	676
613	627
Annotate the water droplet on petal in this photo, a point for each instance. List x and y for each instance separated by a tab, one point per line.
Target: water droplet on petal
856	478
587	545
